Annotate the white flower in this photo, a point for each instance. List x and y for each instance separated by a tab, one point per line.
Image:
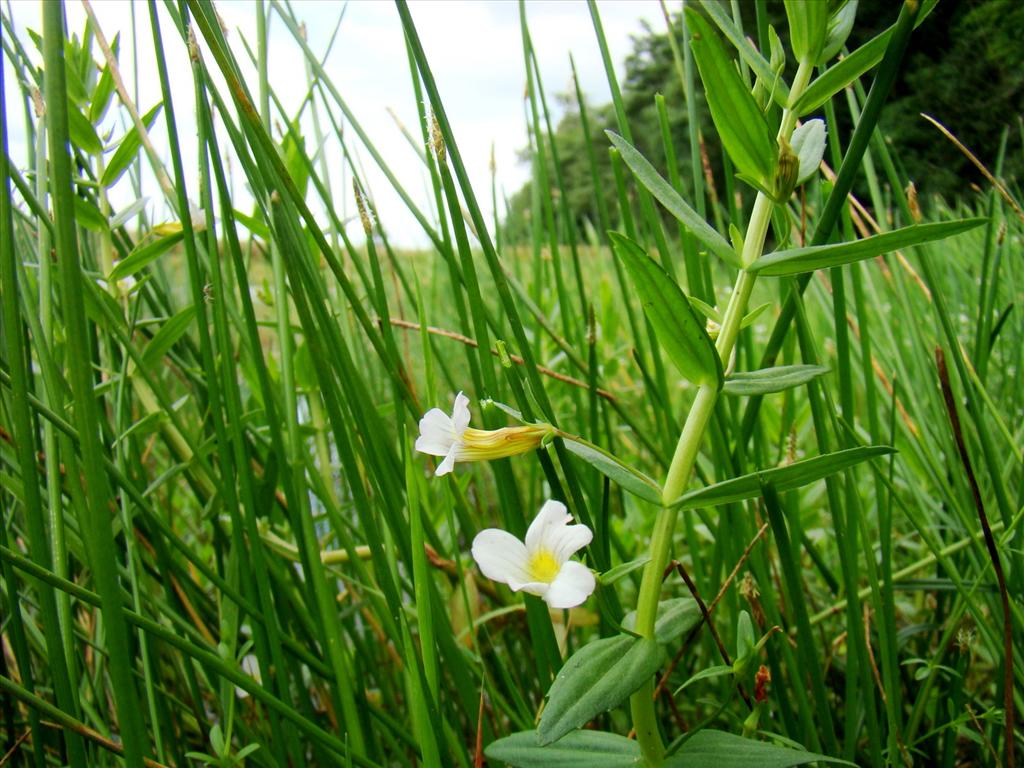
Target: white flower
541	566
453	438
251	666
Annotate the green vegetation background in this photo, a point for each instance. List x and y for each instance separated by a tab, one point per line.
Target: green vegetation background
965	67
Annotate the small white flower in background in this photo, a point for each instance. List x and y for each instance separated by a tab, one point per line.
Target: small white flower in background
453	438
541	565
251	666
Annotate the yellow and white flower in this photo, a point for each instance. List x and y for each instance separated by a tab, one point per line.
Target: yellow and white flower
540	566
453	438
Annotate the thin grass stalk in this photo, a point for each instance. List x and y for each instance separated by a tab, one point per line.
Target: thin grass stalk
57	638
989	275
95	522
266	634
569	226
857	681
543	185
989	452
45	337
207	658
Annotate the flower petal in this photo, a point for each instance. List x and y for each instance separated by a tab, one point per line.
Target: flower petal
460	414
448	464
549	531
552	517
436	433
501	557
569	540
571	587
538	588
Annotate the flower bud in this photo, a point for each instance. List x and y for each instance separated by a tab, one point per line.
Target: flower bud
787	173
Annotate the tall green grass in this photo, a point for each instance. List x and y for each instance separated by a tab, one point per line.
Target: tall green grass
219	546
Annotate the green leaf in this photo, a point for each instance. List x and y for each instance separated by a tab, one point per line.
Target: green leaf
675	323
74	57
127	149
797	260
741	125
666	195
768	380
244	752
840	24
752	315
705	309
844	72
746	50
83	135
254	224
623	475
704	674
745	639
89	216
675	616
168	336
717	749
808	24
293	149
143	255
796	475
104	88
130	211
622	569
598	677
583	749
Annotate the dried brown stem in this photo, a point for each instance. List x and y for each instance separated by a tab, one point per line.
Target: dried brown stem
399	323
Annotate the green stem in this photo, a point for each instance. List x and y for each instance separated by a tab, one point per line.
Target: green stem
642	701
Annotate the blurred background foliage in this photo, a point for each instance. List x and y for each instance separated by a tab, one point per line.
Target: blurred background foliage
964	66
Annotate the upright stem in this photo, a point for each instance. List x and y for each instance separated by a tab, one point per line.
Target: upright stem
642	701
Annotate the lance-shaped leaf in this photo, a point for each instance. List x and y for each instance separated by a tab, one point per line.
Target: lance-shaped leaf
665	194
796	475
675	616
83	135
622	569
583	749
797	260
762	68
168	336
768	380
808	25
623	475
677	326
143	255
839	26
127	149
741	125
598	677
718	749
89	216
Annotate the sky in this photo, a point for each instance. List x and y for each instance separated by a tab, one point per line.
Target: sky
474	48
